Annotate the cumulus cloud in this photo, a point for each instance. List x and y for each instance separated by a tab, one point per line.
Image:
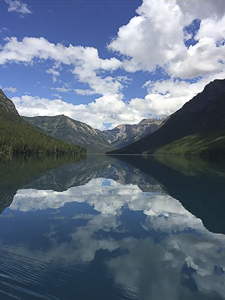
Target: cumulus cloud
163	98
202	59
85	61
105	109
18	6
147	42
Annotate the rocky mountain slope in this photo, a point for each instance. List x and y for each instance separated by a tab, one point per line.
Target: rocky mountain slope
125	134
18	136
198	128
69	130
7	107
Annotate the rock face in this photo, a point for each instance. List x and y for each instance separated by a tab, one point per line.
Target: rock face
69	130
124	135
198	128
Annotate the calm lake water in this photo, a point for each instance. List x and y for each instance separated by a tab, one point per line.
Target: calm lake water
104	228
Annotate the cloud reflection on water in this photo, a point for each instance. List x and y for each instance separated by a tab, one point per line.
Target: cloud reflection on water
187	262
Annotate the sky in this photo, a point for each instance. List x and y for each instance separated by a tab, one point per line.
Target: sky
109	62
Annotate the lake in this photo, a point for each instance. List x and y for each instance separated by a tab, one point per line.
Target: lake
112	228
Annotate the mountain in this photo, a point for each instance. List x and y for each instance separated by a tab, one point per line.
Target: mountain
18	136
7	108
125	134
198	128
69	130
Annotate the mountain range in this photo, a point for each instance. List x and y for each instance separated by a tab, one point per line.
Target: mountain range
96	141
71	131
18	136
198	128
126	134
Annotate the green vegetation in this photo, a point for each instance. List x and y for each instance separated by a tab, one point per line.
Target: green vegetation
71	131
19	137
199	144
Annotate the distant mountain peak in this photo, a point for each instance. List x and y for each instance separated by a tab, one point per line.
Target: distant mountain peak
126	134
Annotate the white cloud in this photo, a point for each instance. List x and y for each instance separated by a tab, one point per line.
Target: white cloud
18	6
62	89
202	9
162	99
156	38
202	59
84	60
167	96
84	92
147	41
105	109
54	73
67	89
57	96
10	89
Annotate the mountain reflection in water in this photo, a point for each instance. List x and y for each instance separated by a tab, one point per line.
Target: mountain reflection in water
103	228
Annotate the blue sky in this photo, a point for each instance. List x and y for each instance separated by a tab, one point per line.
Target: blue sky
109	62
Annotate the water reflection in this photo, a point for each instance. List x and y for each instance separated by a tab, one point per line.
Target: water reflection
103	229
198	184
